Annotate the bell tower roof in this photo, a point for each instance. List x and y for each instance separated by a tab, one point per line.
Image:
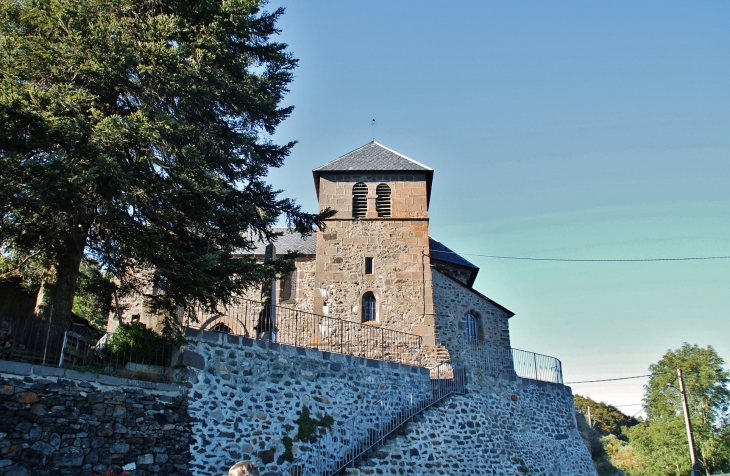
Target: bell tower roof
374	157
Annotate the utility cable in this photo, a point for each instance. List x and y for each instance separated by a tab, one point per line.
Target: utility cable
576	260
608	379
633	376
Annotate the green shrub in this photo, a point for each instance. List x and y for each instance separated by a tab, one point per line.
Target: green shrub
136	343
308	426
288	455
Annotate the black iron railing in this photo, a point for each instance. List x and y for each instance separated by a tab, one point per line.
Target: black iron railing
304	329
537	366
509	361
29	340
348	440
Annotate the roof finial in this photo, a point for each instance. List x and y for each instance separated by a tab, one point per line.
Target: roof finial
372	128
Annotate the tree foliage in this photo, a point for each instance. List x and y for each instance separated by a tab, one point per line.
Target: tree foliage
606	418
658	446
137	134
605	437
136	343
708	400
94	294
705	381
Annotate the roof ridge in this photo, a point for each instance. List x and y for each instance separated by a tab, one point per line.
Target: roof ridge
474	291
398	153
373	156
338	158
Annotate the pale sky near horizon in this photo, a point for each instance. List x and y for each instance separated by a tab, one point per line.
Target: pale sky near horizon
556	129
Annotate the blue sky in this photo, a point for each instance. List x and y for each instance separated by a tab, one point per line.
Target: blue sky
556	129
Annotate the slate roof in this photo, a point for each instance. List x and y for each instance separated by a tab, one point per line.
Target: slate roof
290	241
373	157
442	252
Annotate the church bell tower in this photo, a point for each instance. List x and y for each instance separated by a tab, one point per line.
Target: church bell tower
372	262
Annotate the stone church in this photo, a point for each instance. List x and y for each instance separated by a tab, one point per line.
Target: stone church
377	319
375	263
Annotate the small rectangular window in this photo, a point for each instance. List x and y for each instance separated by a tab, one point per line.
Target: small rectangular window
368	266
289	287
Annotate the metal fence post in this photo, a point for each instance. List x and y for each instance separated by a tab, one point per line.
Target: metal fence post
296	328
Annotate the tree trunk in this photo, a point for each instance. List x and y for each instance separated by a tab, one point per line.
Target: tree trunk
56	295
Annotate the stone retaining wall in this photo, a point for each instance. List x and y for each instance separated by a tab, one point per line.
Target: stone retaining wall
500	426
55	421
246	395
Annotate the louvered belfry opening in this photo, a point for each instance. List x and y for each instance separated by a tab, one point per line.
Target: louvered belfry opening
359	200
382	202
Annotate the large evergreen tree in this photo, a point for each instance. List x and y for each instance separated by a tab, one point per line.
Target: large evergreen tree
138	134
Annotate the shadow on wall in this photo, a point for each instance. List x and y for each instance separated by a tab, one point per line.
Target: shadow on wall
14	302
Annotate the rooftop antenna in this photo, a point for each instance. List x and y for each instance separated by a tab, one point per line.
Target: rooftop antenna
372	128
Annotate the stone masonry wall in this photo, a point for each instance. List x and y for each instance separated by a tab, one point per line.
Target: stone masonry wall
397	282
55	421
407	193
401	278
452	301
305	285
499	427
302	300
245	396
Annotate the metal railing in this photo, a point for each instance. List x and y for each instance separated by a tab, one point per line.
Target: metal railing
304	329
29	340
509	361
537	366
24	339
347	441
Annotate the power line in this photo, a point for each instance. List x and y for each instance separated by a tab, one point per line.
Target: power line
640	410
608	379
626	378
576	260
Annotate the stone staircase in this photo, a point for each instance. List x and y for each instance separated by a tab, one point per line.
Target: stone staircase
352	440
435	355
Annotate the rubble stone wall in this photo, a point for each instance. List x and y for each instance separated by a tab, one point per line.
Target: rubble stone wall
500	426
304	296
246	395
452	301
56	421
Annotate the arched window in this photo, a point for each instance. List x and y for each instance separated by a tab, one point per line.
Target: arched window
382	202
471	327
359	200
368	307
220	327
